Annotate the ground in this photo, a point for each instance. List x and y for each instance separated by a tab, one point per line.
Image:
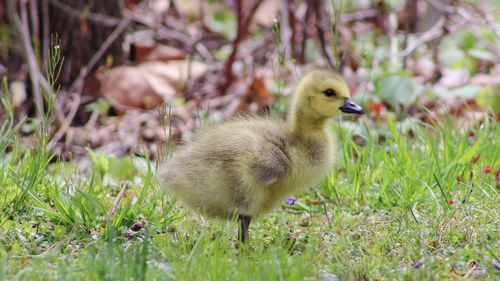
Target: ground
423	207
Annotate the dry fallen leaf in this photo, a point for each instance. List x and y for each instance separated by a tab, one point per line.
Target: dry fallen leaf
423	67
147	85
485	80
454	77
133	229
267	11
152	51
127	87
175	72
18	91
257	96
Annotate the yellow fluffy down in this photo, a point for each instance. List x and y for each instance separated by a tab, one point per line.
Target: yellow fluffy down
248	165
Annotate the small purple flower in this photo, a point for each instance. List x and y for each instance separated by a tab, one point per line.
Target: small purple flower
496	265
418	264
290	201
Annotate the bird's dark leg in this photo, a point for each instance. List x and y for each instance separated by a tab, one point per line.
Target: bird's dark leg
243	229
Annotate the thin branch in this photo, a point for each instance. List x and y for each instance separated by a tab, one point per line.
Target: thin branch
410	19
393	26
433	33
67	121
112	210
359	15
21	26
35	27
45	30
78	83
335	28
244	19
104	20
322	23
305	32
286	32
465	15
162	30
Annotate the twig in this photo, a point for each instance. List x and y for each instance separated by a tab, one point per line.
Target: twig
335	29
21	26
410	19
94	117
305	32
112	210
293	27
347	53
35	27
322	23
393	26
162	31
323	204
359	15
78	83
441	6
244	19
433	33
37	77
471	269
465	15
67	121
135	228
228	68
286	33
45	30
487	18
104	20
469	189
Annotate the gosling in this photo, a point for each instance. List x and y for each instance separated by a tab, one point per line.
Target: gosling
245	167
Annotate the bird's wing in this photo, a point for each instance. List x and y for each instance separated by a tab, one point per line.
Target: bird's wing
271	162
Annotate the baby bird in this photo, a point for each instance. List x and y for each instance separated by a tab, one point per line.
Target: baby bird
247	166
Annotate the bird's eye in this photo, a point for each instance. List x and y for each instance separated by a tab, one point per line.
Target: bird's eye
329	93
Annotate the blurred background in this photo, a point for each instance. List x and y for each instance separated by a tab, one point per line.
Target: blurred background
134	74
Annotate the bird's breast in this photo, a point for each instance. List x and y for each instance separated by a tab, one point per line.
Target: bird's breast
312	160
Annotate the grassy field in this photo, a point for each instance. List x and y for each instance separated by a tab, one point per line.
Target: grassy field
405	202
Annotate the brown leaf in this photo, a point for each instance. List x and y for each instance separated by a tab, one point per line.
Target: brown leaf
267	11
485	80
257	95
18	91
127	87
152	51
135	228
454	77
423	67
174	72
147	85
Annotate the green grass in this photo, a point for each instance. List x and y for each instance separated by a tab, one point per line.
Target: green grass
392	201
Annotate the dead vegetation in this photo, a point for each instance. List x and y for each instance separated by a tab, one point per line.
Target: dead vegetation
213	60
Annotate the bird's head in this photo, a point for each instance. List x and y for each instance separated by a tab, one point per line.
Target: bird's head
323	94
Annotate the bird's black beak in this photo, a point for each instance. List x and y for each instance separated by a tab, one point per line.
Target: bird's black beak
351	107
